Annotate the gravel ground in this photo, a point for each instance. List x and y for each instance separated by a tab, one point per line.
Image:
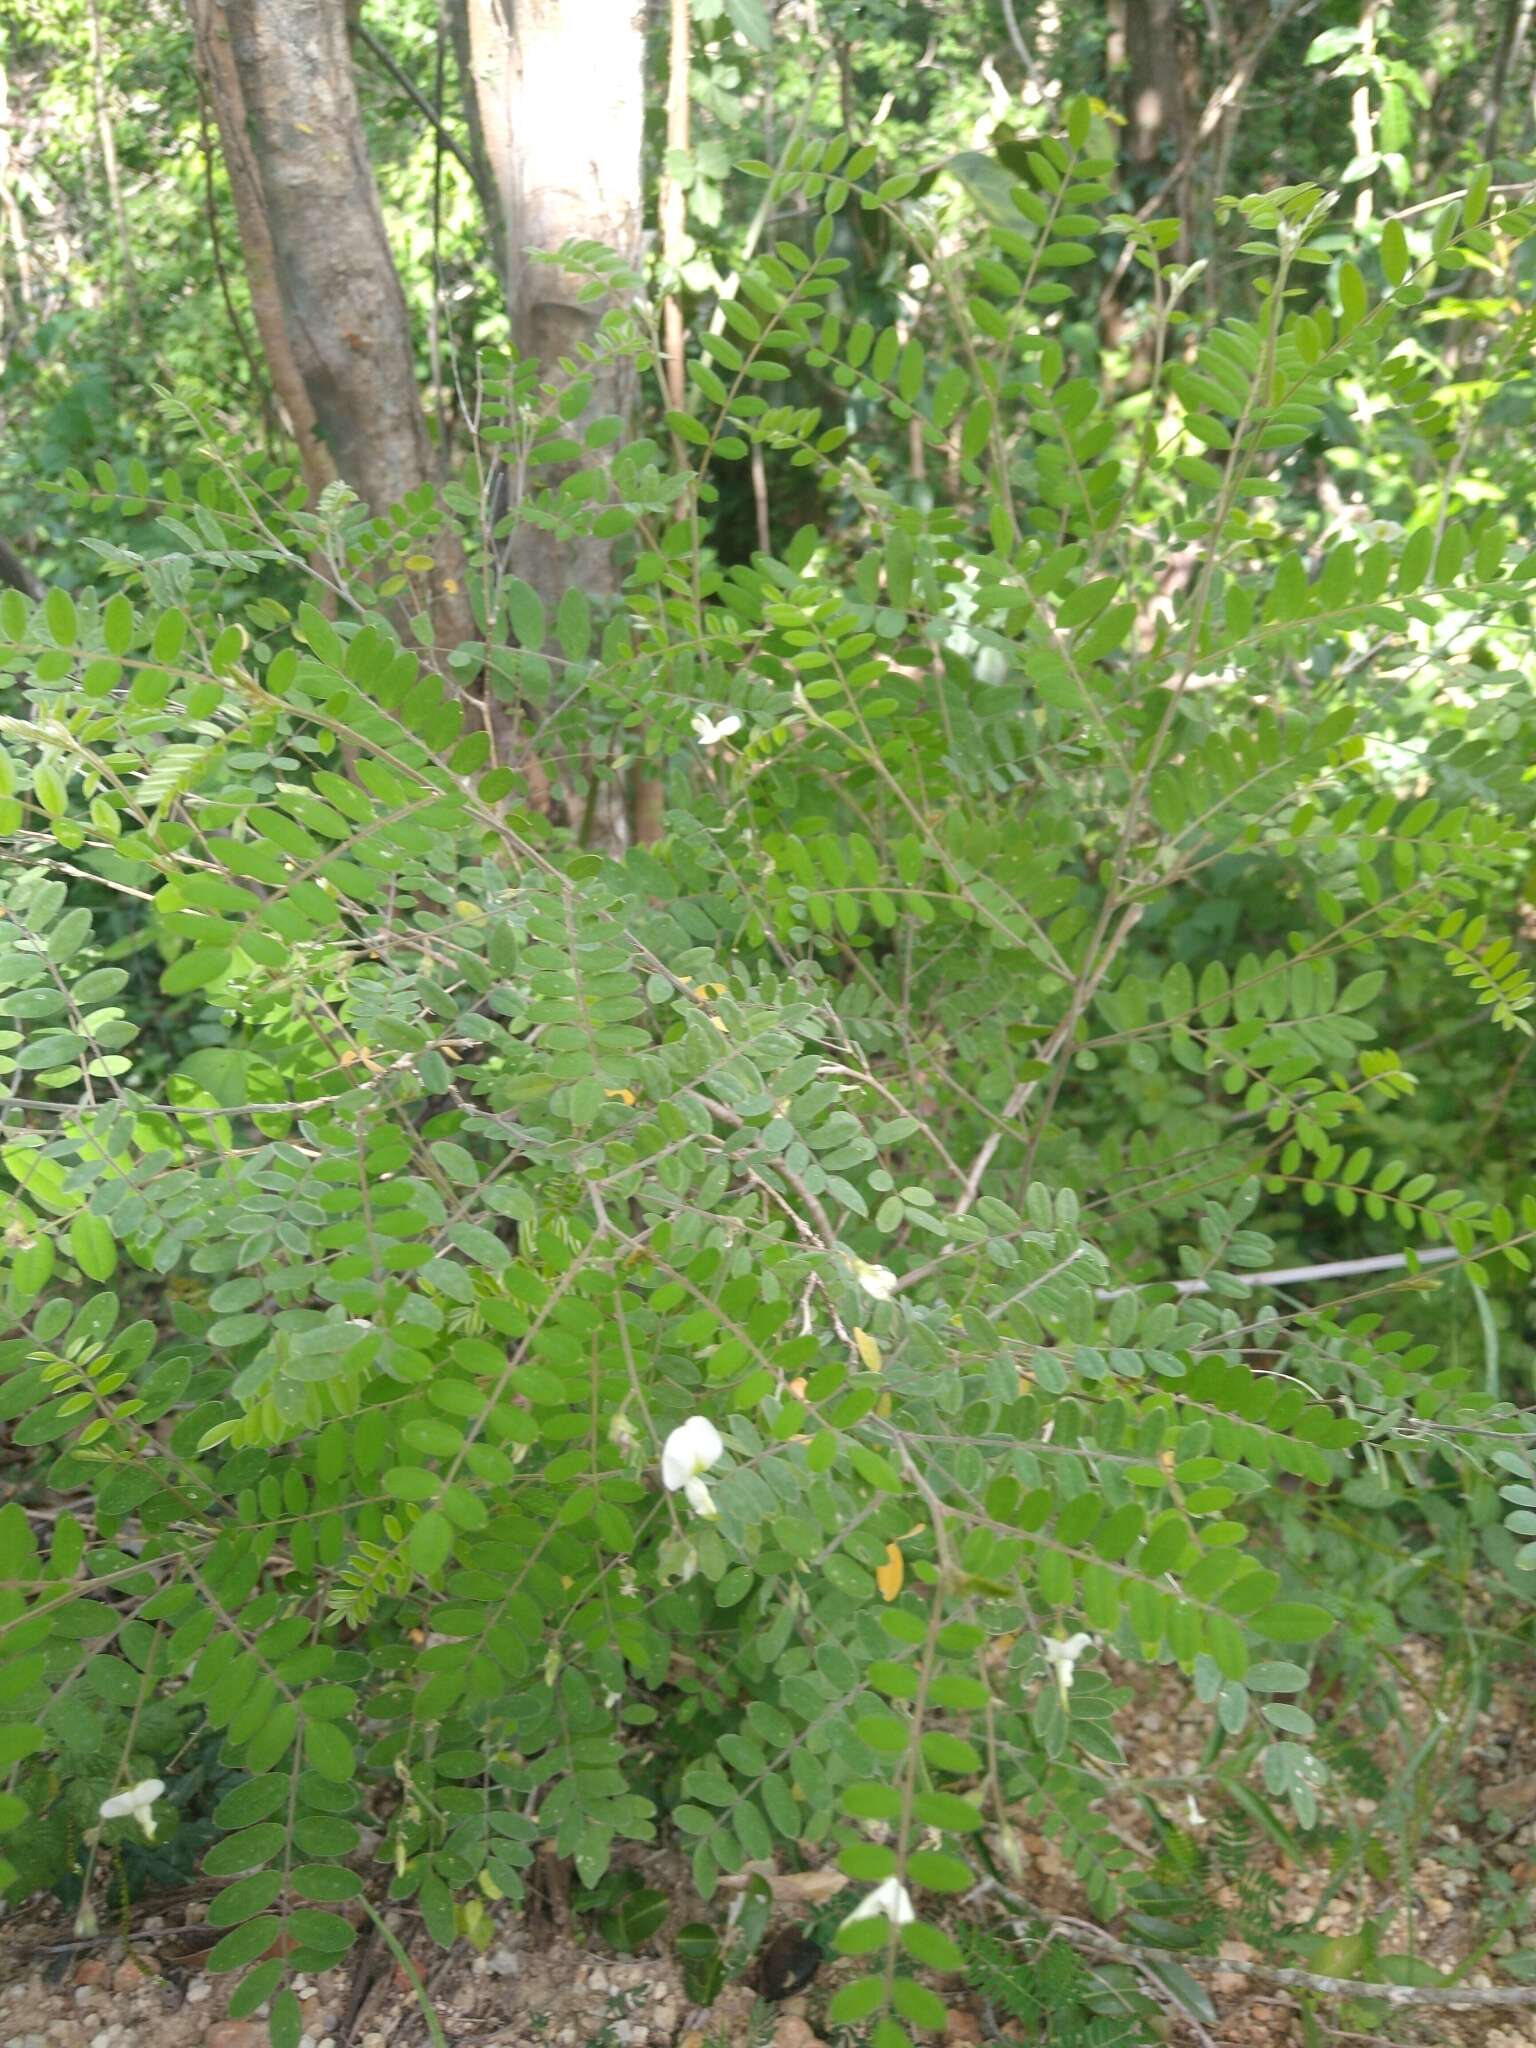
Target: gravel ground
538	1986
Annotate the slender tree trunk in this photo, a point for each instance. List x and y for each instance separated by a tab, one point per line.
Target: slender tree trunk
346	314
1361	123
341	307
673	205
487	177
1512	37
1156	105
216	61
646	796
14	571
15	220
559	88
108	141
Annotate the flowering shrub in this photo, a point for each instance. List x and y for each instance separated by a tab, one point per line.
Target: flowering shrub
750	1332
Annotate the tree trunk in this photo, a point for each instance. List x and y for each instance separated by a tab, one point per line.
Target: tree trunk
344	311
1516	27
1156	104
1156	110
315	223
559	104
485	117
14	571
216	62
560	101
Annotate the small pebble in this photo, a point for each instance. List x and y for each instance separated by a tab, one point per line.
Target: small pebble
235	2034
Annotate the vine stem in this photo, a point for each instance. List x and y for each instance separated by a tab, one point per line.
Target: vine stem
392	1942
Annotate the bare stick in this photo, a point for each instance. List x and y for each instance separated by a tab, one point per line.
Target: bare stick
1447	1997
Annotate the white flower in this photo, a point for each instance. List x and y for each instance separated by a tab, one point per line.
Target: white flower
1196	1818
889	1900
686	1455
138	1800
879	1282
711	731
1062	1653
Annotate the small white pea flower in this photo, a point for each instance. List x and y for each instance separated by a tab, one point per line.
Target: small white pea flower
711	731
879	1282
1062	1653
889	1900
686	1456
138	1800
1196	1818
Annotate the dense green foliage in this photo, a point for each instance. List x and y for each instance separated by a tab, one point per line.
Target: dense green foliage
1086	835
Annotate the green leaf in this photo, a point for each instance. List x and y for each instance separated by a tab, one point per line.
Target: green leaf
250	1802
915	2002
195	970
19	1739
247	1850
61	619
243	1945
1293	1621
750	19
285	2024
856	2002
243	1899
1395	260
319	1929
328	1751
430	1543
930	1946
525	611
938	1872
91	1246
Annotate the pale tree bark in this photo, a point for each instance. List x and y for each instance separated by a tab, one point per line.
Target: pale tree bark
488	145
216	62
672	208
559	85
107	139
1361	125
559	106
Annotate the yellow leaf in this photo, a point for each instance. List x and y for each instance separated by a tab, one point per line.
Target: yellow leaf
624	1095
883	1407
891	1575
869	1351
718	1022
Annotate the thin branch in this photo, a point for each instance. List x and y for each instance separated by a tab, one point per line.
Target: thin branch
259	382
1444	1997
1082	996
418	99
1022	50
1283	1276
